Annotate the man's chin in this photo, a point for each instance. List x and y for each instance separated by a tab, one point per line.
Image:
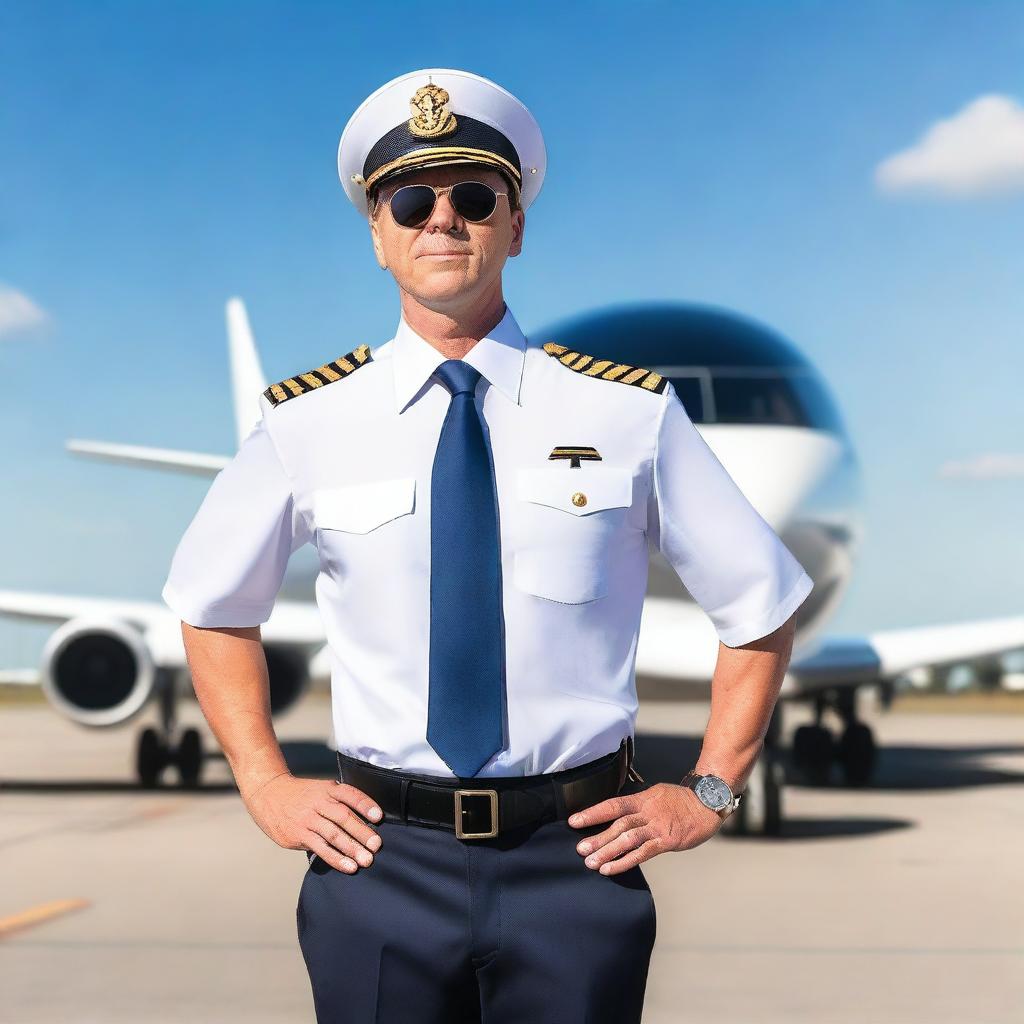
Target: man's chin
441	285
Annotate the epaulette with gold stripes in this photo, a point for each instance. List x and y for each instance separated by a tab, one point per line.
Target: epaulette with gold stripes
326	374
607	369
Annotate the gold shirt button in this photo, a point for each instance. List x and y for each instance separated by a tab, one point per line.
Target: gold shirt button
579	499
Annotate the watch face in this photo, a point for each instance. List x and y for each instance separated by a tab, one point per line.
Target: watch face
713	792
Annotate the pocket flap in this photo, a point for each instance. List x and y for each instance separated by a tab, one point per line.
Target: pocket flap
359	508
594	487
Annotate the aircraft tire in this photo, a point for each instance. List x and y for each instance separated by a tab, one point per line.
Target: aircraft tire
150	758
814	749
857	754
189	758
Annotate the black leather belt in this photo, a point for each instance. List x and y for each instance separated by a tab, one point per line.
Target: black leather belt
485	811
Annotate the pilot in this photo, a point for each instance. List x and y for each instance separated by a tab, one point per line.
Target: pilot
482	504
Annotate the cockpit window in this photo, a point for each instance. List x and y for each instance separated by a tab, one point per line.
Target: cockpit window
726	368
792	397
691	392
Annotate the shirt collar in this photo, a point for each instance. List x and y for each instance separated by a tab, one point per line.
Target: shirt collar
499	357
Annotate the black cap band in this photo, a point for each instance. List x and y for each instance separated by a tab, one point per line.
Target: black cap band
472	140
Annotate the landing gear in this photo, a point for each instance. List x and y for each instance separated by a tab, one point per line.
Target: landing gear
760	809
150	758
190	758
815	748
154	750
857	754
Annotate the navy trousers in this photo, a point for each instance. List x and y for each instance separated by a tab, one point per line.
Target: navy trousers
509	930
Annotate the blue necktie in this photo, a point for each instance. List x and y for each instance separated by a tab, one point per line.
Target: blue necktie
467	648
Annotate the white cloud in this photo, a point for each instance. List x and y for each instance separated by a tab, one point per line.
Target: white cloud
989	466
18	312
977	151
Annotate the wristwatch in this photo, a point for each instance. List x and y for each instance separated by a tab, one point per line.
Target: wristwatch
713	792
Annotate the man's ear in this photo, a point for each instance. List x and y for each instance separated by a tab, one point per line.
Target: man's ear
518	227
378	246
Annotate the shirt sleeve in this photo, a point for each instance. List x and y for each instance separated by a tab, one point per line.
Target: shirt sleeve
728	557
229	565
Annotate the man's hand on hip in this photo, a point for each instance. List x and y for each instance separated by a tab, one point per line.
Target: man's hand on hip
660	818
326	817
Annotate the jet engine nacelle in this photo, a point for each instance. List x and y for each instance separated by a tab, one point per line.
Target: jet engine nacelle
98	672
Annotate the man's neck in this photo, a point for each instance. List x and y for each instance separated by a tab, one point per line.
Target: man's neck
453	334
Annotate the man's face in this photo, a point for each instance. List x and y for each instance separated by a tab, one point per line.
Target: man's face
448	260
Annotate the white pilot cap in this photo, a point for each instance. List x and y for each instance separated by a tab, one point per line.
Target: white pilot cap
440	116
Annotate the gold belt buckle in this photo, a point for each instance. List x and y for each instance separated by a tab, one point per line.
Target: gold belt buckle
493	794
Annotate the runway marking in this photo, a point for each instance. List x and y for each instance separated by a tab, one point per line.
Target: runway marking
677	947
131	818
37	915
161	809
71	945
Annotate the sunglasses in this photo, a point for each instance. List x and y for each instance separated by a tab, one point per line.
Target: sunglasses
412	205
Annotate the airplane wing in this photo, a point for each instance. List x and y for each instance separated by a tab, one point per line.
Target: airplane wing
195	463
890	652
678	643
292	622
19	677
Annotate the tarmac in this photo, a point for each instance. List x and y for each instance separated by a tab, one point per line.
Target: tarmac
900	903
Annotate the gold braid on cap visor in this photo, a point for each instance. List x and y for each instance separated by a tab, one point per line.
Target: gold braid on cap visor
422	156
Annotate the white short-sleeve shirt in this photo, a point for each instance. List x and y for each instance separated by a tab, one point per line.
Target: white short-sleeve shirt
346	466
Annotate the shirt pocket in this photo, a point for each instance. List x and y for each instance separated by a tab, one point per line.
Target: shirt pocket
362	508
569	519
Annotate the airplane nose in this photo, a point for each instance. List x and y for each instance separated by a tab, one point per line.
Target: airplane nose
776	467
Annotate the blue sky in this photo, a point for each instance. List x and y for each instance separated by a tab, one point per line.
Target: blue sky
159	158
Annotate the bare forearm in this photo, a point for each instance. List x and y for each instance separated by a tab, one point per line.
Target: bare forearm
744	690
229	672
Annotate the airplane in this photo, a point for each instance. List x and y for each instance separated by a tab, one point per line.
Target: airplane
769	417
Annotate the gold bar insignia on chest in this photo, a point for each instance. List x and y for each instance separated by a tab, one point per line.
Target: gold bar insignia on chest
574	453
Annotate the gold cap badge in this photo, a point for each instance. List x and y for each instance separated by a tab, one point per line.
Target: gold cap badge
431	116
